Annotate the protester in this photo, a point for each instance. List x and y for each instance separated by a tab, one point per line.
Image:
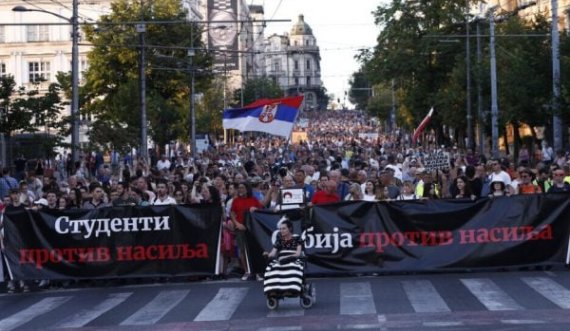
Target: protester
558	183
244	202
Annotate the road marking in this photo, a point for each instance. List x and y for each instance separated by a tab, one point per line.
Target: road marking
288	308
356	299
518	322
224	304
438	324
33	311
424	297
490	295
87	315
550	289
281	328
153	311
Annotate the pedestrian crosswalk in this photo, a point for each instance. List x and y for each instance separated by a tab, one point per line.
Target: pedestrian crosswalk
214	302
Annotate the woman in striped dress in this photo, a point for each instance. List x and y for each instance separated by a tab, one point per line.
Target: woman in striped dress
285	273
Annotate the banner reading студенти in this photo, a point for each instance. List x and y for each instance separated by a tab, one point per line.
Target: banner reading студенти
113	242
430	235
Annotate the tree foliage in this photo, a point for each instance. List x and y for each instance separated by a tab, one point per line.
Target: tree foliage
257	88
30	111
112	90
417	49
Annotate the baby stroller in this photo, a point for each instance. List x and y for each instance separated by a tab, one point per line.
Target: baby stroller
285	278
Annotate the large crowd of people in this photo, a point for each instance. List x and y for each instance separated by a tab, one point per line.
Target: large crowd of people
343	158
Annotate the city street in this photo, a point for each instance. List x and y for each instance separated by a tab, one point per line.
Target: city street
515	300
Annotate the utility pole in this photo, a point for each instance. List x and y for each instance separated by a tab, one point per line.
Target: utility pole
468	78
480	97
191	54
141	29
393	112
556	121
75	84
494	106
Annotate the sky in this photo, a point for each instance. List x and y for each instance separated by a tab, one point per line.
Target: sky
341	28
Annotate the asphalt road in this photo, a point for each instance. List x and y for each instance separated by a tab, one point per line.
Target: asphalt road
531	300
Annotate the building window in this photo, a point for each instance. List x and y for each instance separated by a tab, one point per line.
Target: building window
2	35
296	65
295	43
308	64
2	69
38	71
276	66
296	81
38	33
308	80
307	42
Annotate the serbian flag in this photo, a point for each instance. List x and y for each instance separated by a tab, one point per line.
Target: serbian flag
274	116
422	126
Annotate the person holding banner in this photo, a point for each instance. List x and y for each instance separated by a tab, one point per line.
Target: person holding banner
14	205
243	203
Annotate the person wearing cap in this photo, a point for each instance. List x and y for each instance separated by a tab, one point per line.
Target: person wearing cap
498	188
498	174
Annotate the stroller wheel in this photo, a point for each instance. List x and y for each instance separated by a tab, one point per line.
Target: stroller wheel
272	303
306	302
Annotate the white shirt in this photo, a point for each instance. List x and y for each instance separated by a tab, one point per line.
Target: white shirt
168	200
163	164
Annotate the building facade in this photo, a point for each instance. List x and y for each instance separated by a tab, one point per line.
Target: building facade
294	62
36	45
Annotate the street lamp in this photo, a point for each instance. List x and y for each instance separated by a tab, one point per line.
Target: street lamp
74	73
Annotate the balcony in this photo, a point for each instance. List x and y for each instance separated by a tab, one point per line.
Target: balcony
277	73
303	49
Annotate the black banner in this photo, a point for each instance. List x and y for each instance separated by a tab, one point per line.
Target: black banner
113	242
427	235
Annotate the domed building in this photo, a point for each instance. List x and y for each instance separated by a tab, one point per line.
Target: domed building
294	62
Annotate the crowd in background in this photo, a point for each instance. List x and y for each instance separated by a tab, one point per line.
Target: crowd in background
343	158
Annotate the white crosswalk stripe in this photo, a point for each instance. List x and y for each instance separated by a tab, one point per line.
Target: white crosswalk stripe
153	311
356	299
224	304
490	295
24	316
550	289
87	315
424	297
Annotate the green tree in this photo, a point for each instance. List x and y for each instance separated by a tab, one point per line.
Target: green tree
29	111
360	90
112	80
409	50
209	111
257	88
